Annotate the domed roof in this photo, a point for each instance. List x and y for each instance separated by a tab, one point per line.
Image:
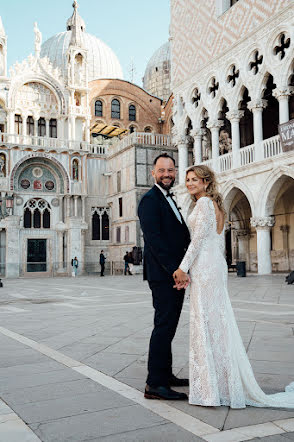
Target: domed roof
157	76
102	61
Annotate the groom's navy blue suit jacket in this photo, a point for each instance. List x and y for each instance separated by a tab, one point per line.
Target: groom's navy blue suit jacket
166	239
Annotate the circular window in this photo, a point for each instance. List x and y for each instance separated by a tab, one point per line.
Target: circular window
37	172
49	185
25	184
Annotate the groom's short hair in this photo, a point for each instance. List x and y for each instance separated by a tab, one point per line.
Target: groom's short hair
164	155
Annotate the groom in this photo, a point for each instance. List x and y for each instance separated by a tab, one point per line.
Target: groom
166	238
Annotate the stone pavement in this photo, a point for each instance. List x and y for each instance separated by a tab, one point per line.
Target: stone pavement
73	363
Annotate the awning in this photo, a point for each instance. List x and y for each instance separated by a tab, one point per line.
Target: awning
109	131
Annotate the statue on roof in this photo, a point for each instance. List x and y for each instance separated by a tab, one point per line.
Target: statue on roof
38	40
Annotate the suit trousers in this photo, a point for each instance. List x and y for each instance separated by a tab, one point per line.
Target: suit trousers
167	303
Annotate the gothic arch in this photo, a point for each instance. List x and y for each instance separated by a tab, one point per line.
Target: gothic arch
237	185
59	166
271	188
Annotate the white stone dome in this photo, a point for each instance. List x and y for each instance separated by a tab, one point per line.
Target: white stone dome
102	61
157	77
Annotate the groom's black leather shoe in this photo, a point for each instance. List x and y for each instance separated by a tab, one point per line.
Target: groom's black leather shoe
164	393
177	382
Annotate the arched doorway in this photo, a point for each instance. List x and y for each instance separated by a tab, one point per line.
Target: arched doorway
240	241
280	204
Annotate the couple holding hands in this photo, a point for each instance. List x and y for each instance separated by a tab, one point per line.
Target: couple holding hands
174	257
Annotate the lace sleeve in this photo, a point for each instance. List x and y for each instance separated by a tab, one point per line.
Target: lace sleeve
200	230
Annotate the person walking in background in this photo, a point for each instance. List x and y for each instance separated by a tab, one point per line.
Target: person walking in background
126	260
102	262
131	263
166	239
75	265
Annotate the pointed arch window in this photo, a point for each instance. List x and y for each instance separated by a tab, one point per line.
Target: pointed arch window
100	223
132	113
115	109
30	125
53	128
41	127
18	124
37	214
98	108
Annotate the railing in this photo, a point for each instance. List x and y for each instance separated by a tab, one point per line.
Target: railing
144	138
226	162
272	147
51	143
247	155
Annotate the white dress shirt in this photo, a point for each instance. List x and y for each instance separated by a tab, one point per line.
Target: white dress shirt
171	203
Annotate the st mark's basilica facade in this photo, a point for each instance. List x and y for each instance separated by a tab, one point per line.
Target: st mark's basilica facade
77	142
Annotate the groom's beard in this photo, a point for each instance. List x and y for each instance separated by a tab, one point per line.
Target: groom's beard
165	186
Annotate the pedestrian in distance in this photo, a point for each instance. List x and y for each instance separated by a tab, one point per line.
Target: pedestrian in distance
102	262
126	261
75	265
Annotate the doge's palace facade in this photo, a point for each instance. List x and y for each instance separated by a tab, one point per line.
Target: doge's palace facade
233	82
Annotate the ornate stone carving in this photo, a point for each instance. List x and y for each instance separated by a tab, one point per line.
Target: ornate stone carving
215	124
235	115
257	104
262	221
38	40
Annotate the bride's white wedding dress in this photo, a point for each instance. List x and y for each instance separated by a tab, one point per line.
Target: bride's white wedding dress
220	371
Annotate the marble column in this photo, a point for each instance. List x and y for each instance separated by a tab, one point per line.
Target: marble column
257	109
235	117
83	207
76	205
67	206
263	227
214	127
76	226
183	158
285	231
282	95
13	253
47	127
197	135
10	120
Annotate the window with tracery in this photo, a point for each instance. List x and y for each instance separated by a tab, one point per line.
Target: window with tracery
30	126
18	124
37	214
98	108
115	109
100	223
41	127
53	128
132	113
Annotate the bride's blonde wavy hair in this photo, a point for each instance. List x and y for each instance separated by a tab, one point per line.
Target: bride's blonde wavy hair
208	177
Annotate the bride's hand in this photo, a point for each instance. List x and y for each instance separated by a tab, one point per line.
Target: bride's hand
181	279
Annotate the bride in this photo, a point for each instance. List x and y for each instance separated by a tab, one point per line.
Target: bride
220	371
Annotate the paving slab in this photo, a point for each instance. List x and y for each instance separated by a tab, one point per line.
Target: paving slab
107	327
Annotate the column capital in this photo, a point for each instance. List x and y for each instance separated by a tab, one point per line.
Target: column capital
235	115
180	139
257	105
215	124
198	132
283	93
262	222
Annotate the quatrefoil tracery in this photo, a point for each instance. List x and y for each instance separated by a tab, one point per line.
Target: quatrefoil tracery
280	49
257	61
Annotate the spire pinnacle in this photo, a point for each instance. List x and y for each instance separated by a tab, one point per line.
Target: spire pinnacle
76	25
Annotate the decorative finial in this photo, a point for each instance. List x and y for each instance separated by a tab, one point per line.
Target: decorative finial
2	31
75	4
38	40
